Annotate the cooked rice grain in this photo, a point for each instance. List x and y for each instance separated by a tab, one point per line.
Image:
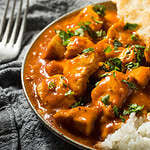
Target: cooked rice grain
133	135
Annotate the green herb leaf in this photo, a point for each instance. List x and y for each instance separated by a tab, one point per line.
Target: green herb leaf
105	99
65	36
69	93
105	75
126	112
133	108
132	65
116	111
114	74
130	26
114	64
130	84
140	53
101	33
97	21
79	32
85	26
88	50
134	37
121	117
100	10
51	85
108	49
140	47
97	83
76	104
117	44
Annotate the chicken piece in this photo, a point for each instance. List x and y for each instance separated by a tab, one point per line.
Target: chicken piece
112	87
54	92
128	55
117	31
54	67
109	128
140	97
110	18
77	45
55	49
76	28
141	75
101	46
89	15
80	118
79	69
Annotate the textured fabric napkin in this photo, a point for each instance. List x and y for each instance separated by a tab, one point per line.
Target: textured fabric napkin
20	128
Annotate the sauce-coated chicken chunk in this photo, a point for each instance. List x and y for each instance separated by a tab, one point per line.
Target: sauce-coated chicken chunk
113	87
141	75
55	92
77	45
79	69
55	48
89	15
81	118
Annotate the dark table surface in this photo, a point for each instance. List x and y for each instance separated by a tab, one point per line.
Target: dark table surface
20	128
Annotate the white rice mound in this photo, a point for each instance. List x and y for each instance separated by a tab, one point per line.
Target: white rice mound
133	135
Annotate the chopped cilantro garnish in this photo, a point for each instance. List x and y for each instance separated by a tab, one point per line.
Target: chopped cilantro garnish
121	117
134	37
65	36
51	85
130	26
69	93
140	47
132	65
127	46
76	104
96	21
140	53
85	26
101	33
105	75
108	49
79	32
64	84
105	99
117	44
130	84
133	108
97	83
100	10
88	50
114	74
114	64
116	111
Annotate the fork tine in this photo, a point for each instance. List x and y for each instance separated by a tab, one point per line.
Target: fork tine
5	37
4	19
19	39
12	39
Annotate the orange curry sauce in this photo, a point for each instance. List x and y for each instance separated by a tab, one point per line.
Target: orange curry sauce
87	72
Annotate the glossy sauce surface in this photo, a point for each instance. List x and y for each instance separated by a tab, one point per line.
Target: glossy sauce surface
71	74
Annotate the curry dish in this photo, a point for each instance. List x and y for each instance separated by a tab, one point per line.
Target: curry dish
88	72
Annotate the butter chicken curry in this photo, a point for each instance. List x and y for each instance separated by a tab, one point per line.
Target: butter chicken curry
87	72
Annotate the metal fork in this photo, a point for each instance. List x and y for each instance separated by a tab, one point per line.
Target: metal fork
10	39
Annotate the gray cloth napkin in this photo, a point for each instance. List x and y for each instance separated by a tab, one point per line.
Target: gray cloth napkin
20	128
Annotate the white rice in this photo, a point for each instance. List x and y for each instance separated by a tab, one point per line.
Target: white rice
133	135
